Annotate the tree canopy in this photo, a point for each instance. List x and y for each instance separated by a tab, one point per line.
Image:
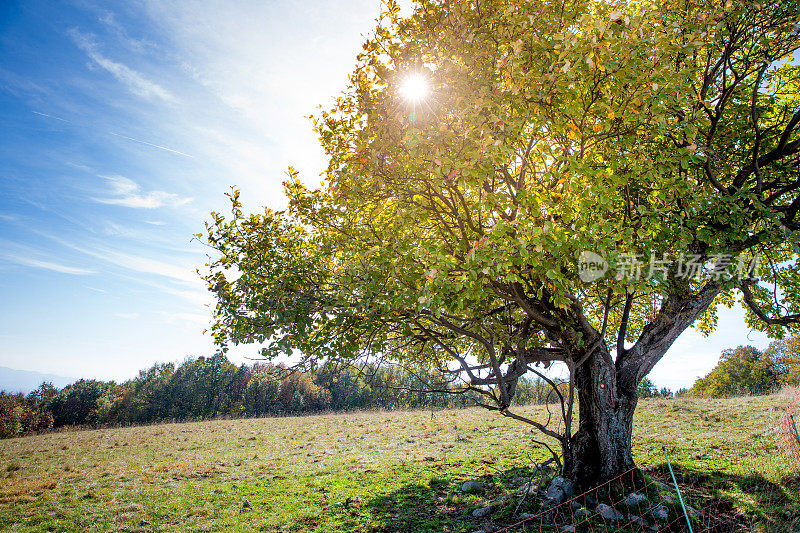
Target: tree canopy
450	231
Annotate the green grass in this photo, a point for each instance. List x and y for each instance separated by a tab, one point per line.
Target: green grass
382	471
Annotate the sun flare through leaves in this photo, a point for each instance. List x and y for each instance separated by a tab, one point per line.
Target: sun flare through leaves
414	88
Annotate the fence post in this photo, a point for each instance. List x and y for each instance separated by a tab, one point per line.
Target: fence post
680	498
796	435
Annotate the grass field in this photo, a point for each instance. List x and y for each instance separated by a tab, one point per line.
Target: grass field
381	471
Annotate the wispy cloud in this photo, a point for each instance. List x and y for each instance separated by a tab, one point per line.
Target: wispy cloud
150	144
186	274
194	297
51	116
128	193
197	298
25	260
146	265
135	82
129	316
137	45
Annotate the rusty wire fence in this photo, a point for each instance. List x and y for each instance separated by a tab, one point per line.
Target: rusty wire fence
631	501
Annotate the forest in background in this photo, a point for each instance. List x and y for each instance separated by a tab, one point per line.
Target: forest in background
211	387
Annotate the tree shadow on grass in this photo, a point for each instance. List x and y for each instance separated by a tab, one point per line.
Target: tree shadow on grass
773	506
440	505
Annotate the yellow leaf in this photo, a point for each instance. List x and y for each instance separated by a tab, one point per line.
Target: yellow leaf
597	128
611	115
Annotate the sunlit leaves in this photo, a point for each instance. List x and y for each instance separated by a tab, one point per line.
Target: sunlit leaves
547	128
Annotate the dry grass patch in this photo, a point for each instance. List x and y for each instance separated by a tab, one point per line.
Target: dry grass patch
24	490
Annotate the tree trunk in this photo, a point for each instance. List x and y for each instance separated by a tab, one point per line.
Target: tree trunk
601	448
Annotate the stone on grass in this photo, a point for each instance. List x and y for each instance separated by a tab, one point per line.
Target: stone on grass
483	511
660	512
568	529
559	489
526	516
608	513
582	514
635	498
566	485
471	486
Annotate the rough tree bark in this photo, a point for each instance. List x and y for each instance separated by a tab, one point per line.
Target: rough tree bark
601	447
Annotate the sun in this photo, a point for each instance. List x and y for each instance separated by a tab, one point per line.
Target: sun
414	88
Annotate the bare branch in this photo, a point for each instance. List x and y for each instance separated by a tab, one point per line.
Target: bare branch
748	298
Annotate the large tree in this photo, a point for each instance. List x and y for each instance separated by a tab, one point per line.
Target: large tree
450	227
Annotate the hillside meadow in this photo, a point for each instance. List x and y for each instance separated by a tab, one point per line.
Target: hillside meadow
372	471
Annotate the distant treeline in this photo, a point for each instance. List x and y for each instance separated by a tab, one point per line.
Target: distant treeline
748	370
209	387
647	389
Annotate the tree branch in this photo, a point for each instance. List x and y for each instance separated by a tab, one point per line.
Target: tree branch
623	325
748	298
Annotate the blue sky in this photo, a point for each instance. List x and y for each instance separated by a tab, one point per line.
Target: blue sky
123	124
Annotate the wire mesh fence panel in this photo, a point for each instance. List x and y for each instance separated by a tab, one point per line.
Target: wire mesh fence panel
789	426
630	501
